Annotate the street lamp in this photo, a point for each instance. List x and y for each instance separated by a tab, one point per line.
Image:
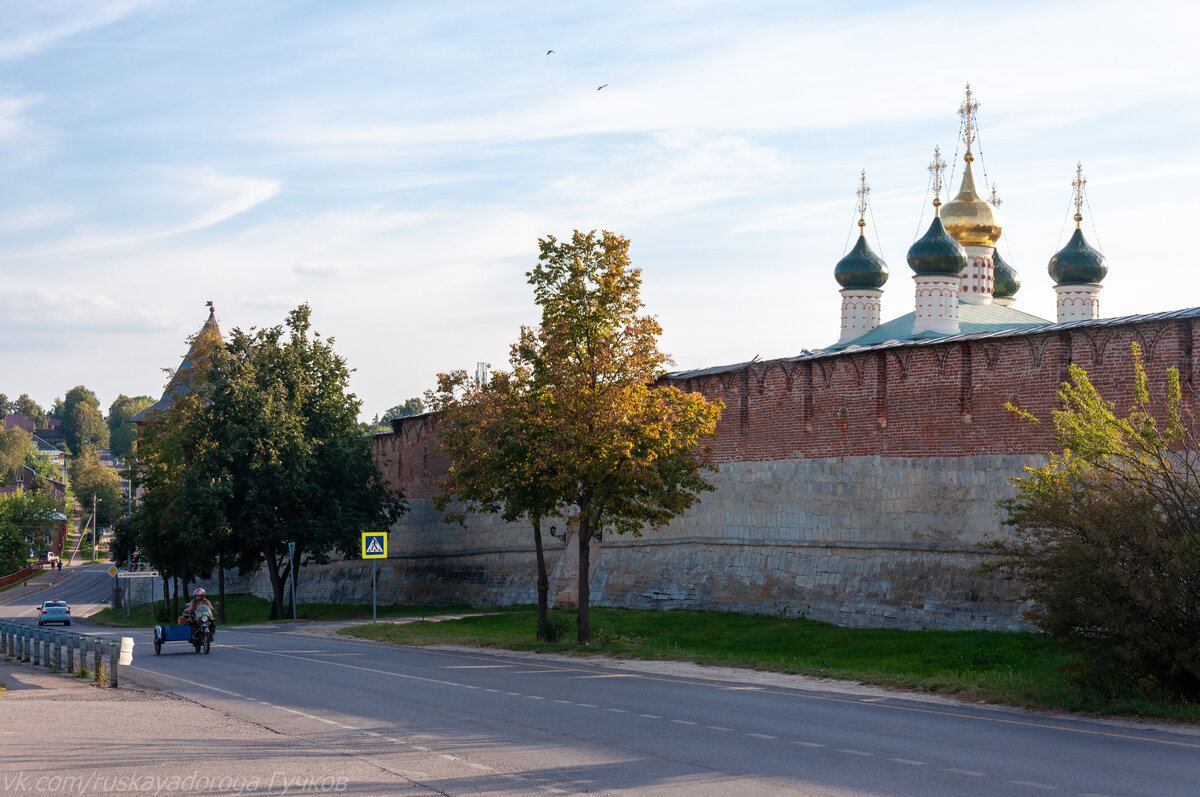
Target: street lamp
95	501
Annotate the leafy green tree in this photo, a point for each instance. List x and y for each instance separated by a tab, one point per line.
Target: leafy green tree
1105	538
89	478
412	406
4	405
628	453
502	457
27	522
177	526
83	425
58	409
16	449
287	458
31	410
121	433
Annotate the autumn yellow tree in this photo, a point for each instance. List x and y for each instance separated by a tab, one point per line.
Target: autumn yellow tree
628	453
502	457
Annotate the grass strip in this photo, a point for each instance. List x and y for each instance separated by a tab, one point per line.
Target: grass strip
249	610
1021	669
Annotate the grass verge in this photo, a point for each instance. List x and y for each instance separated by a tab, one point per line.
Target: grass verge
1020	669
248	609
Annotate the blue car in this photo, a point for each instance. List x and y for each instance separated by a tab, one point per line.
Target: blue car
54	612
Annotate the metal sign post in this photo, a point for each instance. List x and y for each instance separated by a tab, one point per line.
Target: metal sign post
292	557
374	546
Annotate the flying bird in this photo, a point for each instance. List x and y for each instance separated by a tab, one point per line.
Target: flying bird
600	87
549	51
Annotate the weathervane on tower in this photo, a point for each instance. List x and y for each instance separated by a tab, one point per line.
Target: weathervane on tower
1077	184
967	111
863	190
936	167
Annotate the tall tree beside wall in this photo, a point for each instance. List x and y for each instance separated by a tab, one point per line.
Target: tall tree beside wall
627	454
1106	538
502	457
287	455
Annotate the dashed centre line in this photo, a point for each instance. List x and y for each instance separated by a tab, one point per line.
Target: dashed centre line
761	736
908	761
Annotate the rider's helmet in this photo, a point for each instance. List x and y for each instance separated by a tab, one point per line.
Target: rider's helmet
199	593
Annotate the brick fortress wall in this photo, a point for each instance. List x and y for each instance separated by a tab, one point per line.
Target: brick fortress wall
854	487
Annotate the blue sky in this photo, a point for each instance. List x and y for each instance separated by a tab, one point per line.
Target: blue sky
394	163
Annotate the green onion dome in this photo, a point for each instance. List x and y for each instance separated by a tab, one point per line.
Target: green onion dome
1077	263
861	268
1006	282
936	252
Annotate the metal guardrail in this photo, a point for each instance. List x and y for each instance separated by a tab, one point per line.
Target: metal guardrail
56	649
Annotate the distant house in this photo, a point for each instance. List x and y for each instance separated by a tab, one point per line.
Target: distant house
19	421
48	450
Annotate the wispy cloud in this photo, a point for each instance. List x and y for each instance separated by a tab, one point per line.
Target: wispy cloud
34	27
195	198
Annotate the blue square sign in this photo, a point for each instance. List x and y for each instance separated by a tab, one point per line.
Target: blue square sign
374	545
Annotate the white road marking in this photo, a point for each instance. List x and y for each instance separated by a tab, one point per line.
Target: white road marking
1031	784
808	744
606	675
371	733
477	666
421	748
448	757
568	702
967	772
908	761
585	705
761	736
535	697
514	694
617	710
717	728
650	716
684	722
493	691
848	751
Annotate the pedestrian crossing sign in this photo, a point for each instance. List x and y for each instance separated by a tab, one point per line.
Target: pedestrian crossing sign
374	545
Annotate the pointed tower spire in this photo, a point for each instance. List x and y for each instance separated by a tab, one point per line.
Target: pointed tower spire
1077	268
972	221
861	273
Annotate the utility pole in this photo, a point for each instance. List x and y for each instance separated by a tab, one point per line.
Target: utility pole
94	502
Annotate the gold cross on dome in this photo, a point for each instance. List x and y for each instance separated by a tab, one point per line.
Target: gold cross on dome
936	167
996	202
967	111
863	190
1077	185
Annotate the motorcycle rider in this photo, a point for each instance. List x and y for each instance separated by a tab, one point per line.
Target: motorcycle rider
199	605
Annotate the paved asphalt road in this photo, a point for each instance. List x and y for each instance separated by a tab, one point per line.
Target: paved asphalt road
415	721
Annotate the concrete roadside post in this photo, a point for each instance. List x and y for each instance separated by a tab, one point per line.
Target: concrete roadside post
374	547
70	652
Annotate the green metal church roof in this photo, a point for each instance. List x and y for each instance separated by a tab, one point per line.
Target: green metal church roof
972	319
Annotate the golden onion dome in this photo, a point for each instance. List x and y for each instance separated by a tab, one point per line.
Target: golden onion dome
968	217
